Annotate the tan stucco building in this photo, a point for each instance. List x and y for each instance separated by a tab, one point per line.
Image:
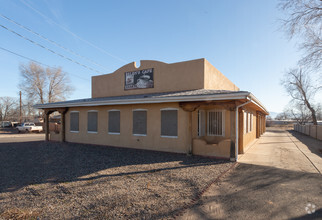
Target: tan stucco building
186	107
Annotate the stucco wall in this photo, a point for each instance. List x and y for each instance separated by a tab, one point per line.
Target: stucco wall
218	146
54	136
202	148
214	79
153	139
167	77
188	75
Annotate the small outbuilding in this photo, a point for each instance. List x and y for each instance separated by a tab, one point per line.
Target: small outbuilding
186	107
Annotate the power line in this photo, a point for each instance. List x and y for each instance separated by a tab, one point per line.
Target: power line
19	55
67	58
70	32
51	41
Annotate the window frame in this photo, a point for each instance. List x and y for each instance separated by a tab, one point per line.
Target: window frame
108	127
250	122
245	122
168	109
200	127
92	132
140	110
71	131
222	121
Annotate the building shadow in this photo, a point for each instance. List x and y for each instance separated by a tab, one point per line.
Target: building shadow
313	144
260	192
38	162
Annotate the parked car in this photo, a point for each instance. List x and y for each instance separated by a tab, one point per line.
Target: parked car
5	124
29	127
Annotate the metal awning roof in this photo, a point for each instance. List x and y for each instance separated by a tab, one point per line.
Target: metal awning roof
179	96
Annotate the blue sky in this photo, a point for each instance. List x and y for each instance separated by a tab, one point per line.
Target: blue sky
240	38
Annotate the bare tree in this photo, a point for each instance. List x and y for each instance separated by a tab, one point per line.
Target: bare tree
57	85
41	85
299	113
300	87
8	107
28	111
283	116
304	19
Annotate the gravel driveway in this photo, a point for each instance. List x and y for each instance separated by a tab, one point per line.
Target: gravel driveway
72	181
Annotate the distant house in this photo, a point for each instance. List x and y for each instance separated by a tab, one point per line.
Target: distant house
185	107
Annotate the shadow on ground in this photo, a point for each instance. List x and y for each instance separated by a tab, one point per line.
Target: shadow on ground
260	192
28	163
313	144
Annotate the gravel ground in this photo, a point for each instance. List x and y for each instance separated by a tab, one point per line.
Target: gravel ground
72	181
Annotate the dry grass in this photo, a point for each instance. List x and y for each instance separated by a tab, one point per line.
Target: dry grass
19	214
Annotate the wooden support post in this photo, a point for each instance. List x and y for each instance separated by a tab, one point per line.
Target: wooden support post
62	127
257	125
47	125
233	133
63	124
241	131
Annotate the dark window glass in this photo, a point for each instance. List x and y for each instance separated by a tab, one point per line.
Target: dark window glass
169	123
114	121
74	121
92	121
139	122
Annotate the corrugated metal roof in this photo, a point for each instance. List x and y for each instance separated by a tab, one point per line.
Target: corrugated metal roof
201	92
179	96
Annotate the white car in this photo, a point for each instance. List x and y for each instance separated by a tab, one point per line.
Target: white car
29	127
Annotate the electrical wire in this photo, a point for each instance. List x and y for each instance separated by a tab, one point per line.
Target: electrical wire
51	41
70	32
58	54
19	55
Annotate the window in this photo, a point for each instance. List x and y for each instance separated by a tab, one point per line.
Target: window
169	122
216	123
245	122
248	122
92	121
139	122
74	121
251	122
114	122
201	123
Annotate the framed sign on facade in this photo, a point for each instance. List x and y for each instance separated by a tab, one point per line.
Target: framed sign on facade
140	79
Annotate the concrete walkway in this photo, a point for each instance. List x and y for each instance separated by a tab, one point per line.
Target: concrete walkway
277	178
282	149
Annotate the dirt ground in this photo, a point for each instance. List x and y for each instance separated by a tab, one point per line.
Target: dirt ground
73	181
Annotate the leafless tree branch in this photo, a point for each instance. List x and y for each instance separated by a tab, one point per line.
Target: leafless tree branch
44	85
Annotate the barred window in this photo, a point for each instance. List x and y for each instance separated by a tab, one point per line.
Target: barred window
216	123
139	122
74	121
92	121
169	122
114	122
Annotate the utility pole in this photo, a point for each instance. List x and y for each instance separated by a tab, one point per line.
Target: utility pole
20	114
